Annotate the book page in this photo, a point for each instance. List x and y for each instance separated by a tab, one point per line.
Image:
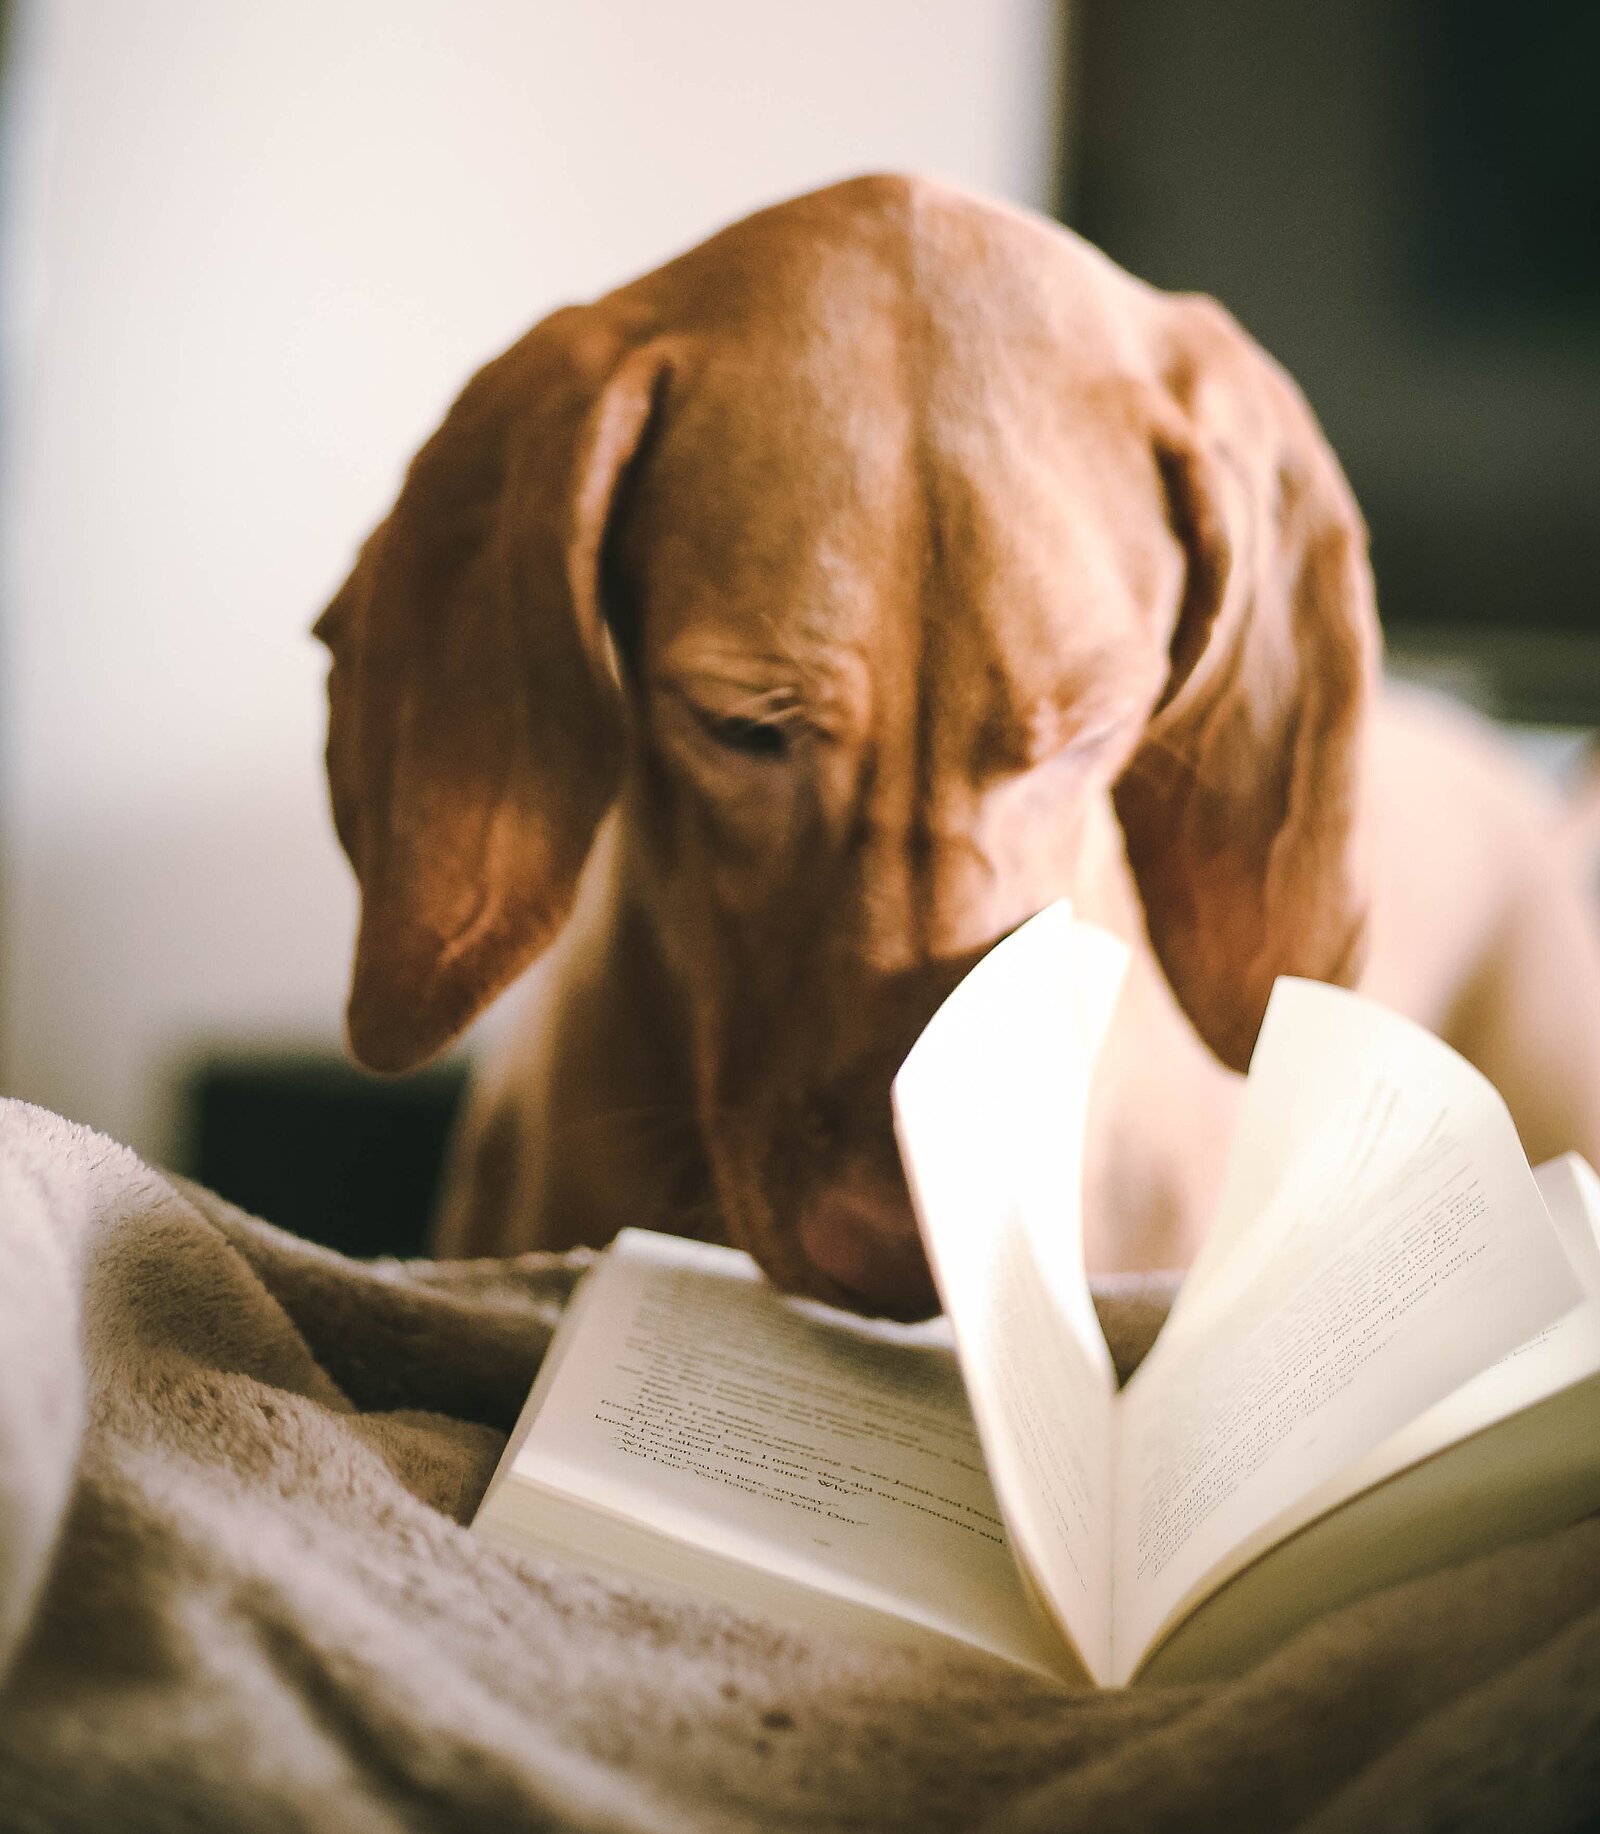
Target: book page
1555	1357
990	1109
1562	1358
1513	1453
1307	1135
1399	1248
829	1450
1526	1475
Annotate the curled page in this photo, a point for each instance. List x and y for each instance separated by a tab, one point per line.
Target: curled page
990	1109
1382	1242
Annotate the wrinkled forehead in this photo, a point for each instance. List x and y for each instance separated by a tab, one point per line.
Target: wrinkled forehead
834	503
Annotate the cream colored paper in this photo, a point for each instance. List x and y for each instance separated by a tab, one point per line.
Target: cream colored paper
1382	1243
834	1452
990	1109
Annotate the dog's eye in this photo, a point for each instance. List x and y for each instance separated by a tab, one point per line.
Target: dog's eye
752	738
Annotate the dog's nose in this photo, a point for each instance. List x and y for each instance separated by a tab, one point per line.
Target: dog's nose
862	1236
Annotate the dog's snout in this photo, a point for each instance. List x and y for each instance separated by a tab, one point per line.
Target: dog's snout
861	1235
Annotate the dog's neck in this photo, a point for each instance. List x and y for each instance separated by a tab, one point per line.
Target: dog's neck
617	1138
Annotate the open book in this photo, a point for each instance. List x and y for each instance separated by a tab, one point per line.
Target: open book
1386	1358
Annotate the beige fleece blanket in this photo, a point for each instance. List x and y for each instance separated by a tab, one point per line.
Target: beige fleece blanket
235	1593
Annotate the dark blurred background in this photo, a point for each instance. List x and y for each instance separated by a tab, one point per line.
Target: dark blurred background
1402	202
250	253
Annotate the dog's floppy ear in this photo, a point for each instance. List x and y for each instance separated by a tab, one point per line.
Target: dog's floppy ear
474	734
1240	809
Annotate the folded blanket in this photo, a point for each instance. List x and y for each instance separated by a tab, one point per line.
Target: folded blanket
236	1593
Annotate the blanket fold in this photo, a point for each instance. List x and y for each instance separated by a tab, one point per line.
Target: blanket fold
236	1593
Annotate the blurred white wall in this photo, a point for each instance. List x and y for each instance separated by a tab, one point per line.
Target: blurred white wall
250	254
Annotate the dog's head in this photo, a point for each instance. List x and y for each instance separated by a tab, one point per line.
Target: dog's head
855	558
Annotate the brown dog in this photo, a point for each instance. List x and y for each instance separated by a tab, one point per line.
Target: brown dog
827	602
